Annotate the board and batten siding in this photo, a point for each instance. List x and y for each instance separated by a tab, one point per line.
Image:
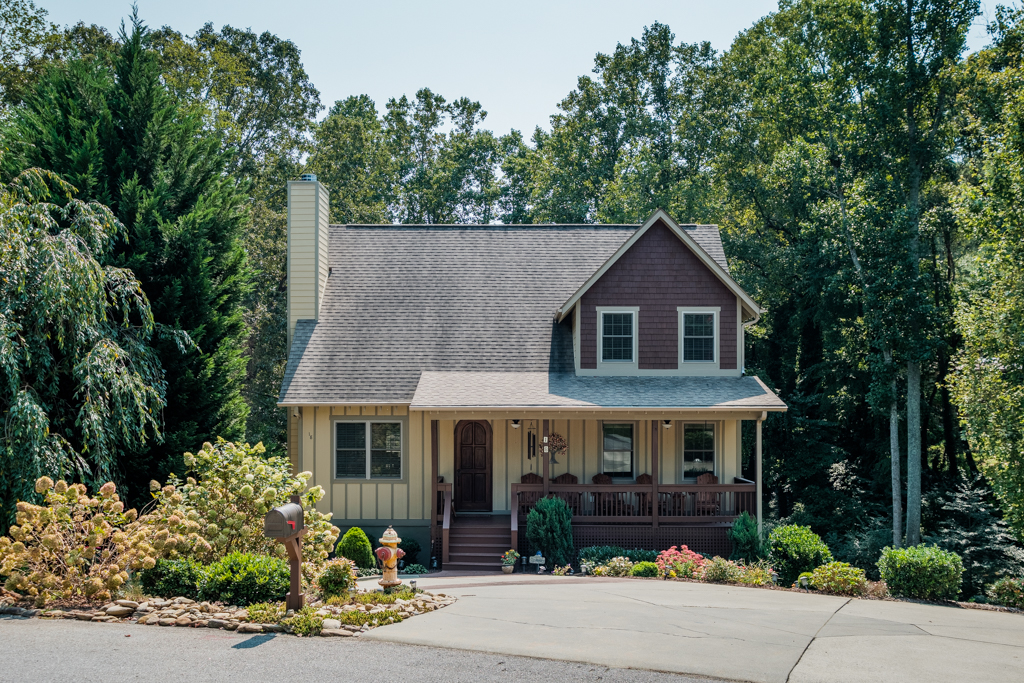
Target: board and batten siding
409	498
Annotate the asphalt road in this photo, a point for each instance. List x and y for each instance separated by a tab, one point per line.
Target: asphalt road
40	650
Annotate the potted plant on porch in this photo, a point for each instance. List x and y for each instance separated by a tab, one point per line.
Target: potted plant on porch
508	561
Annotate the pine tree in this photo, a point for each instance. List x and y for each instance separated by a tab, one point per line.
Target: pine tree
118	136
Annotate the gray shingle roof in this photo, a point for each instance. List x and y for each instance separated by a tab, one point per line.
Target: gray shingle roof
566	390
403	299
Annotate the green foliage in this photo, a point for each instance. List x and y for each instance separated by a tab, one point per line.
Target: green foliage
746	541
358	618
356	546
412	550
1008	591
861	546
265	612
246	579
645	569
720	570
384	598
617	566
182	577
337	578
305	622
415	569
80	381
794	549
220	508
923	572
755	574
839	578
549	529
600	554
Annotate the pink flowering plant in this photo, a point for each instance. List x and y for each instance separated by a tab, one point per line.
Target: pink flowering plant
679	562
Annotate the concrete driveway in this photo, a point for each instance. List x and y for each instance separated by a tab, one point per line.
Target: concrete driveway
718	631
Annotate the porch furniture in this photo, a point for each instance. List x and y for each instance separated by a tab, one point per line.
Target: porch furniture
707	503
644	499
611	504
572	498
531	478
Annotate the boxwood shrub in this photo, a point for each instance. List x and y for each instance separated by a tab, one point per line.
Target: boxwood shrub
922	572
246	579
355	545
644	569
793	550
181	578
839	578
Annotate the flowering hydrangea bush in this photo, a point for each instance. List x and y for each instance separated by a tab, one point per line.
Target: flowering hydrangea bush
673	560
617	566
75	546
219	508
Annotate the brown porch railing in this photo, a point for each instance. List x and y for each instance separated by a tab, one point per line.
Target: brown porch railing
633	503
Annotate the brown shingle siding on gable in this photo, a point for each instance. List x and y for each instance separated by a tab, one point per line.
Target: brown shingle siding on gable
658	274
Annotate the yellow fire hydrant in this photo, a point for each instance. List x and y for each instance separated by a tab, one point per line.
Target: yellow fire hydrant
389	554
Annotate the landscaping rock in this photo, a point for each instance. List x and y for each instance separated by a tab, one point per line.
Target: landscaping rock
273	628
216	623
166	621
336	632
183	621
250	628
332	624
231	626
83	616
120	611
126	603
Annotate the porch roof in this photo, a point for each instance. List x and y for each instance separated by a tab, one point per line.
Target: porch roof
542	390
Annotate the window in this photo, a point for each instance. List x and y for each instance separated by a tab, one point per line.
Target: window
368	450
618	450
699	337
698	450
617	337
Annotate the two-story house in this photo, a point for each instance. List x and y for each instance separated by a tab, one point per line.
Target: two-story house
442	378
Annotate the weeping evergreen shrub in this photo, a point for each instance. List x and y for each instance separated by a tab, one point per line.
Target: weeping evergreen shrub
549	530
746	541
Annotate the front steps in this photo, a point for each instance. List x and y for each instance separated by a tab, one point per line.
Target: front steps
477	542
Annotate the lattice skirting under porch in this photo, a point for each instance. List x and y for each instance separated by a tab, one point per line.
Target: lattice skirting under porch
707	540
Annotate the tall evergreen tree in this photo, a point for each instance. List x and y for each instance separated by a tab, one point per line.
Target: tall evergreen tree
117	135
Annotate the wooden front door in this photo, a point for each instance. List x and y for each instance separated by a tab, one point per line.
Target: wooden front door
473	466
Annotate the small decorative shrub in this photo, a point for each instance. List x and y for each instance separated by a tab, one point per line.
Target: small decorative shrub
305	622
220	506
265	612
671	561
510	557
355	546
74	545
1008	592
587	567
174	578
337	578
755	574
414	569
645	569
684	570
564	570
839	578
720	570
358	618
923	572
246	579
795	549
549	529
600	554
746	541
412	550
618	566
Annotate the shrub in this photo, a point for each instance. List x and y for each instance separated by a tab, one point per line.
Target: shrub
358	617
305	622
600	554
337	578
382	598
672	560
549	529
1009	592
923	572
220	506
564	570
246	579
746	541
412	550
720	570
755	574
174	578
75	546
645	569
684	570
265	612
839	578
617	566
414	569
356	546
796	549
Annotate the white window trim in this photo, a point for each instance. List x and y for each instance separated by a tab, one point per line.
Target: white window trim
717	312
715	431
618	366
367	477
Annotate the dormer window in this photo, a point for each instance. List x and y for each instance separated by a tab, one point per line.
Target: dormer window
617	337
698	335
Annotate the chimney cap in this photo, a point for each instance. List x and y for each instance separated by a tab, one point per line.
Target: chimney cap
308	177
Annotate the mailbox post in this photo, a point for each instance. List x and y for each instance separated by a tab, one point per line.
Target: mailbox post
287	524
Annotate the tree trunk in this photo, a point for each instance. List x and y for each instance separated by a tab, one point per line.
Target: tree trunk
913	453
897	487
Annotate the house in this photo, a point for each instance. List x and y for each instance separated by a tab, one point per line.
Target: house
442	378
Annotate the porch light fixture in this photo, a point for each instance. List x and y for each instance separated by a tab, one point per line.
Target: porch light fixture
515	424
667	423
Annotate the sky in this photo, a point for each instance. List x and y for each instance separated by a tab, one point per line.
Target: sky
518	59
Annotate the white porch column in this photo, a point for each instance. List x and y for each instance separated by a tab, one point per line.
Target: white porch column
757	477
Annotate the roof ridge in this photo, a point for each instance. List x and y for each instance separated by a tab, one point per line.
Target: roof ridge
504	226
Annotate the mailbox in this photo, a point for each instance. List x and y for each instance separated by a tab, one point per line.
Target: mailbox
284	521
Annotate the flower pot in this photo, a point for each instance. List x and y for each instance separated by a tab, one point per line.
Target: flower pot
507	568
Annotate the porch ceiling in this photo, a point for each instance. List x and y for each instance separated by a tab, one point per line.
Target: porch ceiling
561	391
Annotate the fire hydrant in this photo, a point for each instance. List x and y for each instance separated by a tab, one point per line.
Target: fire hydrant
389	554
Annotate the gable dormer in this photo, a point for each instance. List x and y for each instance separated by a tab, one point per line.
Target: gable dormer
661	305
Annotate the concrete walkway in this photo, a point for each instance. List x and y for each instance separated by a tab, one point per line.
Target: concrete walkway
719	631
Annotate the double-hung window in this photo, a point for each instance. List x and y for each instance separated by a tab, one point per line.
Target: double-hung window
618	450
698	335
617	332
698	450
368	450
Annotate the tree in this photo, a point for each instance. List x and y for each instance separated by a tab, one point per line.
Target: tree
80	378
23	33
116	134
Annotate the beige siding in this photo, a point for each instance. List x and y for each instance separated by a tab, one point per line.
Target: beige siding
308	261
